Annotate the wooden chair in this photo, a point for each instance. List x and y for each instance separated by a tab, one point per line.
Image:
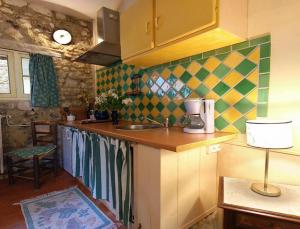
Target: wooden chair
43	154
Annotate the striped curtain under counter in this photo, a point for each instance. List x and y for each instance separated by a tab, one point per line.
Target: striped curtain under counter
104	164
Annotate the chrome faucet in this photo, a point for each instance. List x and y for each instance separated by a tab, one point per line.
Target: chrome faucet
164	124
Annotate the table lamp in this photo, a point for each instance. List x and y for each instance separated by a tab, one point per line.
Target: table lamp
268	134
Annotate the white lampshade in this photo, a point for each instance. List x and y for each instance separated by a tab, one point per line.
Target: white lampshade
269	134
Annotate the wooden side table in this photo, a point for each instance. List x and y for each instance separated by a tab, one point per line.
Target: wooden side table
244	209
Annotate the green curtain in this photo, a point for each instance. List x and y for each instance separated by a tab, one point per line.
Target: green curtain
105	165
44	92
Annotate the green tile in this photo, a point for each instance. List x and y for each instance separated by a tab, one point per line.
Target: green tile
263	95
160	106
185	65
240	124
185	77
184	60
197	57
264	80
221	105
221	88
182	107
202	90
98	84
150	106
119	88
149	95
171	106
160	118
172	119
126	116
243	106
160	93
209	53
265	50
240	45
171	93
174	62
185	92
262	110
125	87
202	74
245	67
141	106
223	56
125	77
221	71
246	51
141	117
223	50
264	65
244	87
260	40
119	79
172	68
202	61
133	117
98	92
172	79
220	123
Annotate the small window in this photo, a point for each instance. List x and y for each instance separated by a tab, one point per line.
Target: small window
25	75
4	75
14	75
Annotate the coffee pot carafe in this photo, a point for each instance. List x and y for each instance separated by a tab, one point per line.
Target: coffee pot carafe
200	116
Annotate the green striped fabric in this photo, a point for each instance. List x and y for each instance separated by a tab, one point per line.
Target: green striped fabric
105	166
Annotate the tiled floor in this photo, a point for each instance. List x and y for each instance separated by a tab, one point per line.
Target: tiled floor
11	216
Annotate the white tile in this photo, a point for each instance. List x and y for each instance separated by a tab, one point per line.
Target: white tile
154	88
165	87
178	85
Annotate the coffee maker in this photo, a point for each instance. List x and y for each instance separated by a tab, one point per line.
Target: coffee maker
200	116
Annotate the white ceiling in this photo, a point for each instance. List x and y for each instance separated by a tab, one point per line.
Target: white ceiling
80	8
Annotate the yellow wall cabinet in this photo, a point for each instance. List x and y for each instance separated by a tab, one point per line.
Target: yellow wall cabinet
173	190
158	31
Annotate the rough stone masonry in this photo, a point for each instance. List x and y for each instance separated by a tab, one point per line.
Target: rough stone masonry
32	23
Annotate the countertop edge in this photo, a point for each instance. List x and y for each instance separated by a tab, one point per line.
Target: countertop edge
179	148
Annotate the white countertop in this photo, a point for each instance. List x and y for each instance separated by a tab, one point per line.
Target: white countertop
237	192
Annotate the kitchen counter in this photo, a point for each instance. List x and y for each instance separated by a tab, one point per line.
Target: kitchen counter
172	138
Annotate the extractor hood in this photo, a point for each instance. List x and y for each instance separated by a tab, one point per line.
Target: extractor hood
108	50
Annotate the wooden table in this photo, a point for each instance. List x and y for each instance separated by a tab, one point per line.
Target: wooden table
246	209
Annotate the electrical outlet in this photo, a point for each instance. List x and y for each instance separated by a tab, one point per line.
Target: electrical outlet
214	148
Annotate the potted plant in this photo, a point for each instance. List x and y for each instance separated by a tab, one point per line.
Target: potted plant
101	106
116	101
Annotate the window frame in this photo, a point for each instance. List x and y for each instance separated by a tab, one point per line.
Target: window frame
15	75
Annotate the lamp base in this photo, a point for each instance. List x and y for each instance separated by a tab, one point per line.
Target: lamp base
270	190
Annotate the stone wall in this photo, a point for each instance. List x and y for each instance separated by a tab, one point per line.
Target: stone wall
30	23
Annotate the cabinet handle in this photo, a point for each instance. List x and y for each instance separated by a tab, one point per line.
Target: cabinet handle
156	22
147	27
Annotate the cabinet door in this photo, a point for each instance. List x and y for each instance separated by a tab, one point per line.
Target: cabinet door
176	18
137	28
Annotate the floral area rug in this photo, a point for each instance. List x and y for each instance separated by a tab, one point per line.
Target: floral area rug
67	209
